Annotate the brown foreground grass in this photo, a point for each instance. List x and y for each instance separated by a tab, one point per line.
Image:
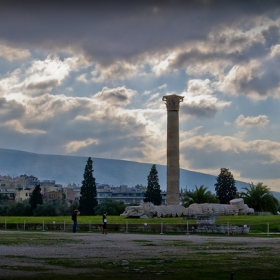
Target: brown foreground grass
54	255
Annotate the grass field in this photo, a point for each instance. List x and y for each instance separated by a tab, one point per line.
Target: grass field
257	224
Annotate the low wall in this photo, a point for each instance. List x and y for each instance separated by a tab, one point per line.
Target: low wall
155	228
206	228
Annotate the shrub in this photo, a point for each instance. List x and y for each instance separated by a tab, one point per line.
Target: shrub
45	210
111	207
19	209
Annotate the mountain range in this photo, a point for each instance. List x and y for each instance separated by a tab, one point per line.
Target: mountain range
70	169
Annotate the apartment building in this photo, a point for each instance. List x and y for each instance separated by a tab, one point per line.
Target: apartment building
24	194
55	197
123	193
21	187
9	186
72	192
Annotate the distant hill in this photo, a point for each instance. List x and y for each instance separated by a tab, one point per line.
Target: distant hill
70	169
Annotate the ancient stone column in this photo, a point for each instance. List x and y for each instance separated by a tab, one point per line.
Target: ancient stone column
173	167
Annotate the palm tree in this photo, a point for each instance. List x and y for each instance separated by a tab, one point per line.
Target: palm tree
199	195
260	198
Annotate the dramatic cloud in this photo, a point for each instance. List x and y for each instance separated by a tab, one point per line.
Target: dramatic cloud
8	83
233	153
10	110
74	125
118	96
199	101
256	80
243	64
43	76
77	145
106	31
252	121
82	78
40	77
118	70
87	78
12	54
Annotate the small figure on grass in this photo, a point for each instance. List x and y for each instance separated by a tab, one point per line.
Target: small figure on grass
104	227
74	219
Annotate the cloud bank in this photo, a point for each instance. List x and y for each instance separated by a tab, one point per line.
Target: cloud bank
87	78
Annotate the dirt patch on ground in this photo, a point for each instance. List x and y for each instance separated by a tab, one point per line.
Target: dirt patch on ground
26	253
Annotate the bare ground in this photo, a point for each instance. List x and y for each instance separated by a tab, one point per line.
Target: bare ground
117	247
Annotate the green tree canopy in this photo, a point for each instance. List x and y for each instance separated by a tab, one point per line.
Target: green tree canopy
64	210
4	210
19	209
88	200
140	188
45	210
111	207
199	195
36	198
73	206
153	192
225	186
3	198
260	198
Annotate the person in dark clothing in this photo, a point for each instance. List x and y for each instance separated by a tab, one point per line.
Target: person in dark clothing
104	227
74	219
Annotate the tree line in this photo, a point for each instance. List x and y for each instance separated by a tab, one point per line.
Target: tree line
258	197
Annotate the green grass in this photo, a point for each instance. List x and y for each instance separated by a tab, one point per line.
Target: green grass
33	239
199	265
257	224
92	219
23	268
244	219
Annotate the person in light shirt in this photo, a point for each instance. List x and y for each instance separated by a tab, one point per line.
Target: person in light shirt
104	227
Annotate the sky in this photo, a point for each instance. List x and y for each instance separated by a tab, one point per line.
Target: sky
86	78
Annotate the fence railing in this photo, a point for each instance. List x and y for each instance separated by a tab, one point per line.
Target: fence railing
144	227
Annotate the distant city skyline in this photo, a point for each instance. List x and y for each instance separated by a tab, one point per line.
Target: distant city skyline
86	78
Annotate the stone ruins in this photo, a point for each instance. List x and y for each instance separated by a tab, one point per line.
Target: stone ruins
149	210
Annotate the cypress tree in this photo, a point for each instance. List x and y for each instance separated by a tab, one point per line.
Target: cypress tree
36	198
88	200
153	192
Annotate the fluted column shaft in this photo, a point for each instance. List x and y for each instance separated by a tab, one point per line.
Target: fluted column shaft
173	151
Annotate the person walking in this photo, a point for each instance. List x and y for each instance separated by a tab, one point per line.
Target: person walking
74	219
104	227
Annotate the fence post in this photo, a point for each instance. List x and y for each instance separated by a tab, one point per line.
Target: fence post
43	226
24	225
89	227
126	227
5	224
228	228
161	228
64	225
267	229
187	228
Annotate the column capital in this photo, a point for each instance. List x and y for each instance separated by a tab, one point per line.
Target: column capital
172	102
